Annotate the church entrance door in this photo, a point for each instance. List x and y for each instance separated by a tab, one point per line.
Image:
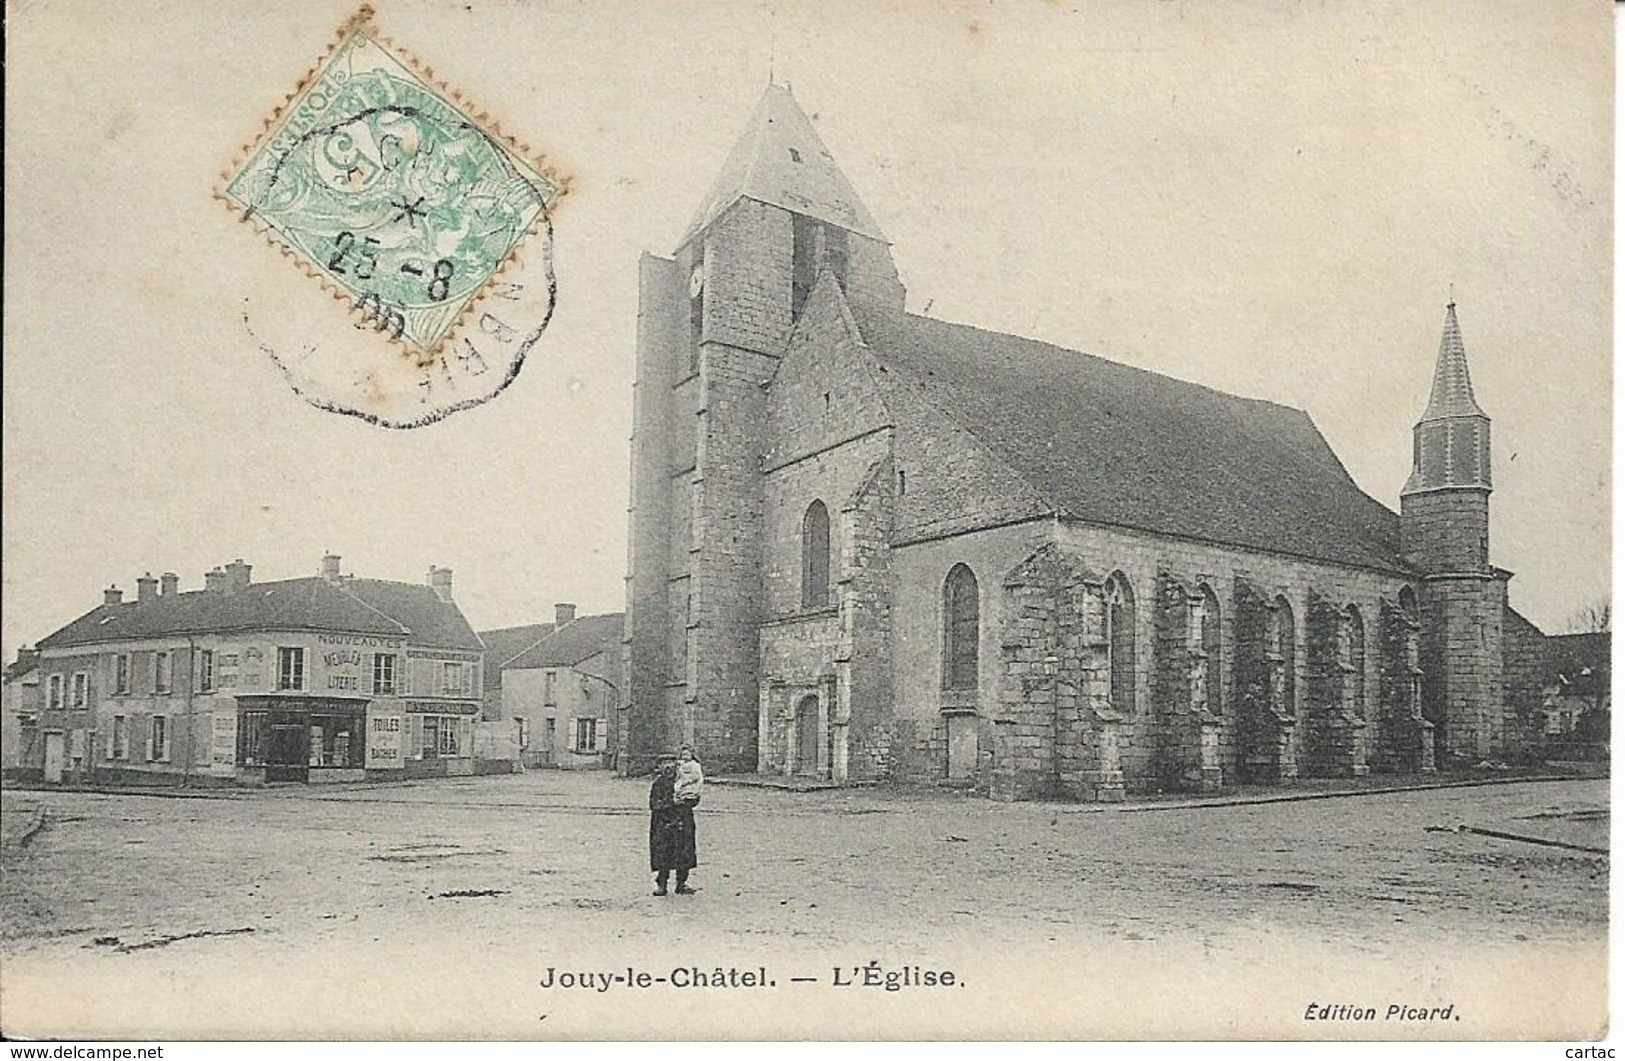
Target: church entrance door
807	736
962	747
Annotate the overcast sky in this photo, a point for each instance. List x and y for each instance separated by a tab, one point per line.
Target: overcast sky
1270	198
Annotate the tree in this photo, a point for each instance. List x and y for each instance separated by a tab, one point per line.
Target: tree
1594	618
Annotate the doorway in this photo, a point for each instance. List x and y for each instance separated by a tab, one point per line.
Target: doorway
807	736
962	747
55	756
289	752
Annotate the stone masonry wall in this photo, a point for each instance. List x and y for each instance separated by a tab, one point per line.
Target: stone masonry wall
831	443
727	586
1524	669
1446	530
655	438
1403	742
1461	658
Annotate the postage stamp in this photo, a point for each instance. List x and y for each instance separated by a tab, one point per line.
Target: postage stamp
405	202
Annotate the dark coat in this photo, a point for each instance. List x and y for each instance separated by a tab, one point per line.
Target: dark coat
671	828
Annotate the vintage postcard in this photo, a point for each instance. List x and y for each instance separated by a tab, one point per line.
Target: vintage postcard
531	520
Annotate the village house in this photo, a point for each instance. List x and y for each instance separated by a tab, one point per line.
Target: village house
20	702
498	741
325	678
563	695
1578	702
870	544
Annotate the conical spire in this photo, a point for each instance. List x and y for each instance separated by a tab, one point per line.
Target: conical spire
1452	393
781	161
1451	447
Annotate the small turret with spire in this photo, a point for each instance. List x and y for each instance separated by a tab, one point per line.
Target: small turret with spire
1451	447
1445	506
1444	525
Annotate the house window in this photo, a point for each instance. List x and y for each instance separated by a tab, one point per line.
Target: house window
961	629
815	556
163	669
1119	612
53	692
158	743
586	735
119	746
252	737
81	691
444	737
290	668
522	733
547	688
550	730
383	673
205	671
456	679
121	674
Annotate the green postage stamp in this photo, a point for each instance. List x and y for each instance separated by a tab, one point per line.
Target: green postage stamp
389	189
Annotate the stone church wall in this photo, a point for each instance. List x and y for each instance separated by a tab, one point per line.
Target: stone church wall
1524	670
830	443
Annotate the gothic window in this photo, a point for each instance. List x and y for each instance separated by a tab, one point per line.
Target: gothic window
1351	657
1206	665
1120	642
1413	649
961	628
815	557
1280	650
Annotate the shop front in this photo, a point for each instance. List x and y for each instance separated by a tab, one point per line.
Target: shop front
307	739
439	738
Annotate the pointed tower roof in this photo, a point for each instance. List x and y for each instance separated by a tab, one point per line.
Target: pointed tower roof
1452	393
781	161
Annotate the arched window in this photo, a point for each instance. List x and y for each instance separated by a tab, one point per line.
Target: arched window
1281	646
961	628
1353	660
1413	649
1120	642
1206	634
815	557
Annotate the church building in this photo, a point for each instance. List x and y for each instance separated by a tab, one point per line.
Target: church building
871	545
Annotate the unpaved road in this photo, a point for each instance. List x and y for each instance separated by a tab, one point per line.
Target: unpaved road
435	909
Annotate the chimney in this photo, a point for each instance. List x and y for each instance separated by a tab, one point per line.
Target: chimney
146	588
168	583
330	567
112	595
237	575
215	580
440	579
563	613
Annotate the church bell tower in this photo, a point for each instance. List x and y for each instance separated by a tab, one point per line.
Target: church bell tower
713	321
1445	535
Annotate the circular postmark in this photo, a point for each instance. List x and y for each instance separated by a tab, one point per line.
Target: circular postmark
426	226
